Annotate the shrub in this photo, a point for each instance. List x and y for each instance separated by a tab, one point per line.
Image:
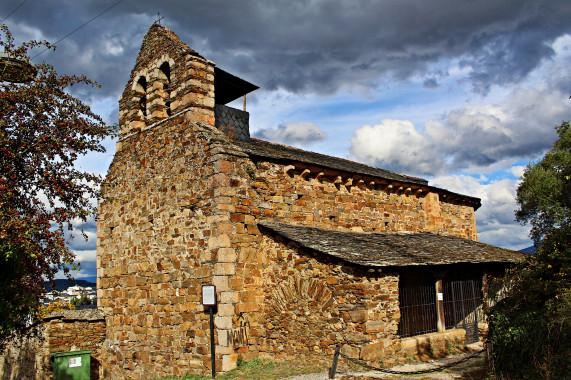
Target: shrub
530	328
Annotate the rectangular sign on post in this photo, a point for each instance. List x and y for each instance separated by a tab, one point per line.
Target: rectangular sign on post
208	295
209	299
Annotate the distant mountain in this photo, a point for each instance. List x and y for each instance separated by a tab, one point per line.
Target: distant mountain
528	249
63	284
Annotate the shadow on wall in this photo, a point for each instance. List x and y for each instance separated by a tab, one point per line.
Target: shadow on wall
21	359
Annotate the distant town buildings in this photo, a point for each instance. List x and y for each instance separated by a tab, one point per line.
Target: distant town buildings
69	294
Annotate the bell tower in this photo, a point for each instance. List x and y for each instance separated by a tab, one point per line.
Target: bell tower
168	78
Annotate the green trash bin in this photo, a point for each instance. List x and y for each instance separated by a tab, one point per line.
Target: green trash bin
73	365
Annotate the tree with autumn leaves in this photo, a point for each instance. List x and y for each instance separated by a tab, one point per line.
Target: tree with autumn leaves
43	131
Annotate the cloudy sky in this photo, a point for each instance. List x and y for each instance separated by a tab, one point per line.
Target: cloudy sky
462	93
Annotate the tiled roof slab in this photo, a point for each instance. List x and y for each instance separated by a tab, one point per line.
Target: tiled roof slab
393	249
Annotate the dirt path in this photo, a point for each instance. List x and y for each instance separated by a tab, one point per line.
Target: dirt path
472	369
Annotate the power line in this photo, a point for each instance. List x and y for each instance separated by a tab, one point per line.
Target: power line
15	9
79	27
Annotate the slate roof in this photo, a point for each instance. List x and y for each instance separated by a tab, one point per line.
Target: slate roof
77	315
229	87
393	249
272	150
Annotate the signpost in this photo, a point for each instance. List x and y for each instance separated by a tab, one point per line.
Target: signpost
209	299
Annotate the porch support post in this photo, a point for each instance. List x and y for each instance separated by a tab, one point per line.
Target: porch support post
485	293
440	323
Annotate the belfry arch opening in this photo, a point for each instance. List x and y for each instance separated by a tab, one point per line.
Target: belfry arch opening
141	94
165	79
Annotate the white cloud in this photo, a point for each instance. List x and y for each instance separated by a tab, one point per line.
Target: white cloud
474	138
495	219
395	143
85	256
518	171
290	133
87	261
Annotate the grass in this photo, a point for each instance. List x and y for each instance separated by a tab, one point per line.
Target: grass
261	369
257	369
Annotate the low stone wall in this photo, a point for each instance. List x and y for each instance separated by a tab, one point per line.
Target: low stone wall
72	330
433	344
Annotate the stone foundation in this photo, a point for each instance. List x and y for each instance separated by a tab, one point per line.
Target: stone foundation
435	344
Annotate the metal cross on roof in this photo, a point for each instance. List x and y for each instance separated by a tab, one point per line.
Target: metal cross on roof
160	18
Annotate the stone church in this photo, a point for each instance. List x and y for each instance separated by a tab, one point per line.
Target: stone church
306	251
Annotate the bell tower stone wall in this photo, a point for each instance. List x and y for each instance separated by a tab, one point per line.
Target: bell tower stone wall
163	86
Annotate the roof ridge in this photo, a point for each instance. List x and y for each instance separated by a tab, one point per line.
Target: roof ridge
337	163
337	158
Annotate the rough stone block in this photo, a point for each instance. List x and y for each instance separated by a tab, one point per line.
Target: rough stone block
247	307
225	309
219	241
224	269
221	283
227	255
372	351
229	297
225	228
229	362
350	351
375	326
358	315
223	322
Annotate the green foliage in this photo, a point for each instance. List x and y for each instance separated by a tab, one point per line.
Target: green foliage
83	300
530	329
544	194
43	130
251	172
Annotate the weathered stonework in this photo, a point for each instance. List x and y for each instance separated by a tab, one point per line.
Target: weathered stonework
29	358
163	85
311	305
181	208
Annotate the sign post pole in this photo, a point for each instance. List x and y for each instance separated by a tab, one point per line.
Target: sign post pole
209	299
212	346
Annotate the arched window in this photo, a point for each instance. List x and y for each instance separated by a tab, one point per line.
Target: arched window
165	78
141	93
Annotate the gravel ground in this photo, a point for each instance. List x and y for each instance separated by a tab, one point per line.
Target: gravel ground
456	372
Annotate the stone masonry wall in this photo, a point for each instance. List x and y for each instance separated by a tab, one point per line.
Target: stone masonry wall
29	358
311	304
317	200
251	267
160	237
